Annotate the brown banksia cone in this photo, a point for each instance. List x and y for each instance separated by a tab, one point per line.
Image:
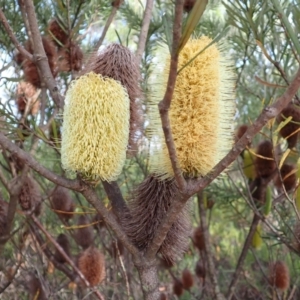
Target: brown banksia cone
289	131
62	203
258	191
116	3
188	5
30	196
63	241
70	57
187	279
289	178
198	238
240	132
149	205
177	287
30	70
279	275
119	63
35	288
265	162
58	32
200	270
84	235
92	265
27	94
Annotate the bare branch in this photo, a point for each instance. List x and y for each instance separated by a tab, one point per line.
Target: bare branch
144	31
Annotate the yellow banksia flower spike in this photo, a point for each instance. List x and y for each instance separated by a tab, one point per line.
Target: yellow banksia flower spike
95	127
201	112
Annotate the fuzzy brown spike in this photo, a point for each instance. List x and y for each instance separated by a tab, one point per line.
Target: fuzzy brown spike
84	236
177	287
290	111
61	200
116	3
188	5
63	241
92	265
30	71
70	58
119	63
198	238
35	288
265	167
279	275
187	279
240	132
258	191
288	176
60	36
30	196
149	205
200	270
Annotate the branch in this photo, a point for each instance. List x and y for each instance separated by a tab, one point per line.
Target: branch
13	38
164	105
40	57
144	31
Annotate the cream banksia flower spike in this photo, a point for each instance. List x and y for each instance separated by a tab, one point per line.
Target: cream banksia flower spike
95	127
201	111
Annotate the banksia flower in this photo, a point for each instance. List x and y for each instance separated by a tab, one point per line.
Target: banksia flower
258	191
62	203
30	196
30	70
198	238
279	275
58	33
92	265
289	131
201	111
200	270
187	279
63	241
116	3
188	5
150	203
95	127
289	178
27	93
70	57
84	235
177	287
119	63
265	162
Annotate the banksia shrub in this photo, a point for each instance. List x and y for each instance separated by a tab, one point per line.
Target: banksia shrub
57	32
30	196
279	275
62	203
119	63
289	131
187	279
27	93
63	241
92	265
84	235
30	70
177	287
95	127
148	207
201	111
264	163
198	238
289	178
188	5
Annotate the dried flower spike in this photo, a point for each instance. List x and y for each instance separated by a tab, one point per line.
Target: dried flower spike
62	203
279	275
119	63
289	178
84	235
149	205
92	265
58	33
289	131
70	57
265	162
63	241
200	270
188	5
95	127
177	287
187	279
201	111
198	238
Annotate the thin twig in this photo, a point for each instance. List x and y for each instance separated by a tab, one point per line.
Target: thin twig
144	31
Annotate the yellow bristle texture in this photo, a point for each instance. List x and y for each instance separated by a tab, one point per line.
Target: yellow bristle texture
201	111
95	127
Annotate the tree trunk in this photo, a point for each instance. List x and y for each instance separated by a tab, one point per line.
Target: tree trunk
149	281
